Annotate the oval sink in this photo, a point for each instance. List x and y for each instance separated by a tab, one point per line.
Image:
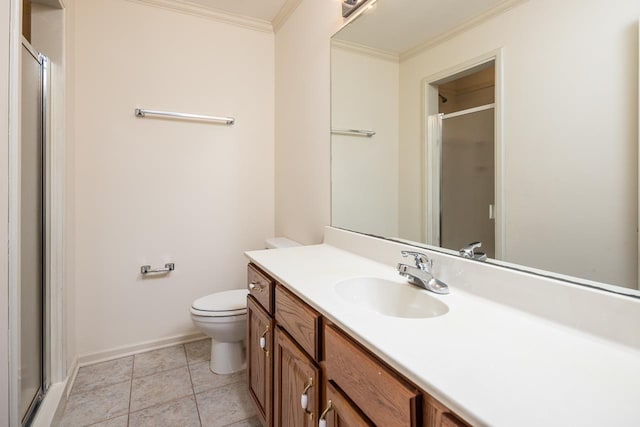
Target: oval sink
390	298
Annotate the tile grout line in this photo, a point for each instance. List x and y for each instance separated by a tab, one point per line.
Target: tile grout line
193	389
166	401
92	391
168	368
75	386
133	364
175	399
160	404
96	389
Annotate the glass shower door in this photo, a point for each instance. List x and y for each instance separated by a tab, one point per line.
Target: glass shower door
468	180
31	369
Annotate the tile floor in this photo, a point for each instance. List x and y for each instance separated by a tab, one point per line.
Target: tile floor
170	387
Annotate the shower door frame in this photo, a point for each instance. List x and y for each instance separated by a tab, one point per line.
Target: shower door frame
45	378
431	207
55	360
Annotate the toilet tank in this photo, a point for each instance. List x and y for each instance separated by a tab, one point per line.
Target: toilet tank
280	242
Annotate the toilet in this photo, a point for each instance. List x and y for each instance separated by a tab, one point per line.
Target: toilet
223	317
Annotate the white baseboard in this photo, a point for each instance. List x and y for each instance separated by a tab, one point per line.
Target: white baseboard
75	365
128	350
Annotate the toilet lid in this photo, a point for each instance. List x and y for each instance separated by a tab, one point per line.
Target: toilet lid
223	302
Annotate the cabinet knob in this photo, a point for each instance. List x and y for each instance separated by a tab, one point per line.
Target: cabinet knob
322	421
254	286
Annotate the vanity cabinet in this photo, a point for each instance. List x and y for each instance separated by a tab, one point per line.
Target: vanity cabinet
298	362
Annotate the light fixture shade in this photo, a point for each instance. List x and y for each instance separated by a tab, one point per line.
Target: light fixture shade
349	6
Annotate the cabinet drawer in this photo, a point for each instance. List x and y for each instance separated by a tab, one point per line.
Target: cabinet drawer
261	287
383	397
299	320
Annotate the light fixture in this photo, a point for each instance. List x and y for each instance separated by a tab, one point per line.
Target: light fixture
350	6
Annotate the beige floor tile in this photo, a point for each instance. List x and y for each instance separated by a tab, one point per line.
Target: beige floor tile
114	422
251	422
98	405
181	412
102	374
198	351
160	360
225	405
203	379
160	388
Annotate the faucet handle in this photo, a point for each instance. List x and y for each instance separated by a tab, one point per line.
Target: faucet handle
469	251
422	260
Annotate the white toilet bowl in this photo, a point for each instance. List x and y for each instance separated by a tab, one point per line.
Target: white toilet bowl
223	317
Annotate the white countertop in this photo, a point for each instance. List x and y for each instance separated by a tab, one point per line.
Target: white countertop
489	363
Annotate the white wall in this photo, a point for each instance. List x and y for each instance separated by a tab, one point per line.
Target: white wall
4	209
570	131
365	95
151	191
302	202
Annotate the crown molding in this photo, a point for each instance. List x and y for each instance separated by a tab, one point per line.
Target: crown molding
498	9
284	13
365	50
189	8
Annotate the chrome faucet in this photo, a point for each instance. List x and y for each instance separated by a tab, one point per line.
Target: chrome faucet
469	252
421	275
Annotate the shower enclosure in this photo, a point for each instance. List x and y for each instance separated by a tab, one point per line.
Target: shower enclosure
461	154
468	179
32	374
462	179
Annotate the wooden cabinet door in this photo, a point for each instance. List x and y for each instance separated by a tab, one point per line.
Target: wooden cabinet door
437	415
259	359
342	412
295	375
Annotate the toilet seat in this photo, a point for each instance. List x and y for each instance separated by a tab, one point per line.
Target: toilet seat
221	304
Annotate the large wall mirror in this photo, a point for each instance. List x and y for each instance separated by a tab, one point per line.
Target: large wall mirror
513	123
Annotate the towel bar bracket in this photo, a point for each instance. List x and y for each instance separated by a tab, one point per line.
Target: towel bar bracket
146	269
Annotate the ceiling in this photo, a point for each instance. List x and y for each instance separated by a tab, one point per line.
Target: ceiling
259	9
409	23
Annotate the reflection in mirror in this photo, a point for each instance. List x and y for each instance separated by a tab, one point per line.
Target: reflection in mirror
513	123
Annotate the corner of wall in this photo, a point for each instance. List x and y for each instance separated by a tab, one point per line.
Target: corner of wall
5	21
302	146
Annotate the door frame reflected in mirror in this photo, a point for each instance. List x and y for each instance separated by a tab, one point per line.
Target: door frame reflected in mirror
431	159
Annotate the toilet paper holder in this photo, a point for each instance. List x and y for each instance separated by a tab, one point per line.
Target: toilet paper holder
146	269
